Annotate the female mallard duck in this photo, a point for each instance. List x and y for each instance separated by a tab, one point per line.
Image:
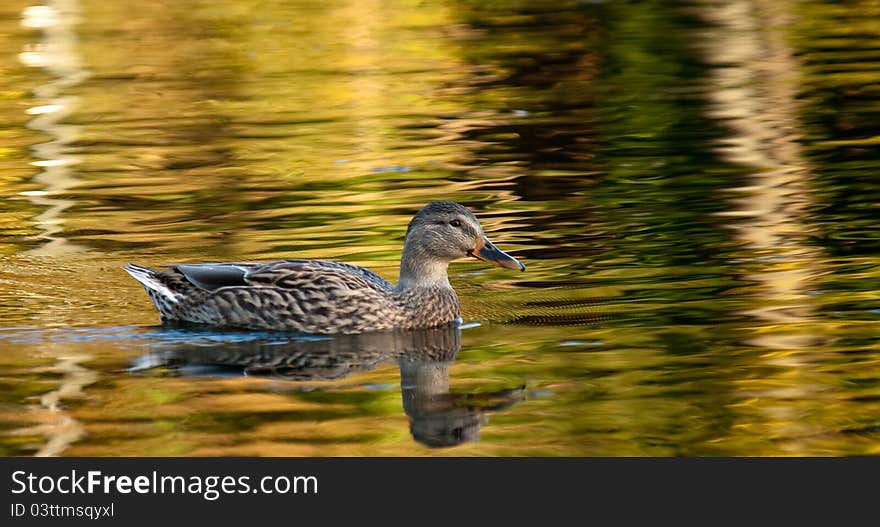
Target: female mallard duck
313	296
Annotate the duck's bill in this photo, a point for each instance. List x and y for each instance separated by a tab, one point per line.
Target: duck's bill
486	251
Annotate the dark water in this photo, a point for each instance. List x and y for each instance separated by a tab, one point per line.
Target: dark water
691	184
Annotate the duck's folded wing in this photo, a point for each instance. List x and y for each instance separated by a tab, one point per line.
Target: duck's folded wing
286	274
214	276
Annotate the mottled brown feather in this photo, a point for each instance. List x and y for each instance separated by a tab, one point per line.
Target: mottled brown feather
309	296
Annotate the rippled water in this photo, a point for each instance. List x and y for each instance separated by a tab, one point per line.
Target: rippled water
691	184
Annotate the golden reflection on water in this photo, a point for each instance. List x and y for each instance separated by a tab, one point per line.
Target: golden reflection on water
56	52
754	93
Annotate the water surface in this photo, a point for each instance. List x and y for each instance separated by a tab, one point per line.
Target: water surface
692	186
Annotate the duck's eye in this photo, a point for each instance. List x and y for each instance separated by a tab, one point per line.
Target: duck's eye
455	223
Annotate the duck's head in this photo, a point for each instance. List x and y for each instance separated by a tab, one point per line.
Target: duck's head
444	231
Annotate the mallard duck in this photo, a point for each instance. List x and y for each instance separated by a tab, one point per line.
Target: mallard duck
323	297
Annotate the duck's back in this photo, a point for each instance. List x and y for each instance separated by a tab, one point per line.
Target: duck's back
297	273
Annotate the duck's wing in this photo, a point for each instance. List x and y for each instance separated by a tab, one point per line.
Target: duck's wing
213	276
285	274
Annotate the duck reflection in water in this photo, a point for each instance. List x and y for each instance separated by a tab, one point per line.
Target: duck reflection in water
438	417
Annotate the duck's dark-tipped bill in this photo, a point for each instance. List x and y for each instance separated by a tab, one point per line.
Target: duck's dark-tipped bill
486	251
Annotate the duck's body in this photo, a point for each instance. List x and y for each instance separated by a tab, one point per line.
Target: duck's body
310	296
321	297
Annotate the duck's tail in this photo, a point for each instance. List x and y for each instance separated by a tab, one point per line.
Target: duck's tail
152	281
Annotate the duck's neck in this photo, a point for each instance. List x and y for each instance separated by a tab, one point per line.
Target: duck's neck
418	270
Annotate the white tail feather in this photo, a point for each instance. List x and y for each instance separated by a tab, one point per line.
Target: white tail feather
148	278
